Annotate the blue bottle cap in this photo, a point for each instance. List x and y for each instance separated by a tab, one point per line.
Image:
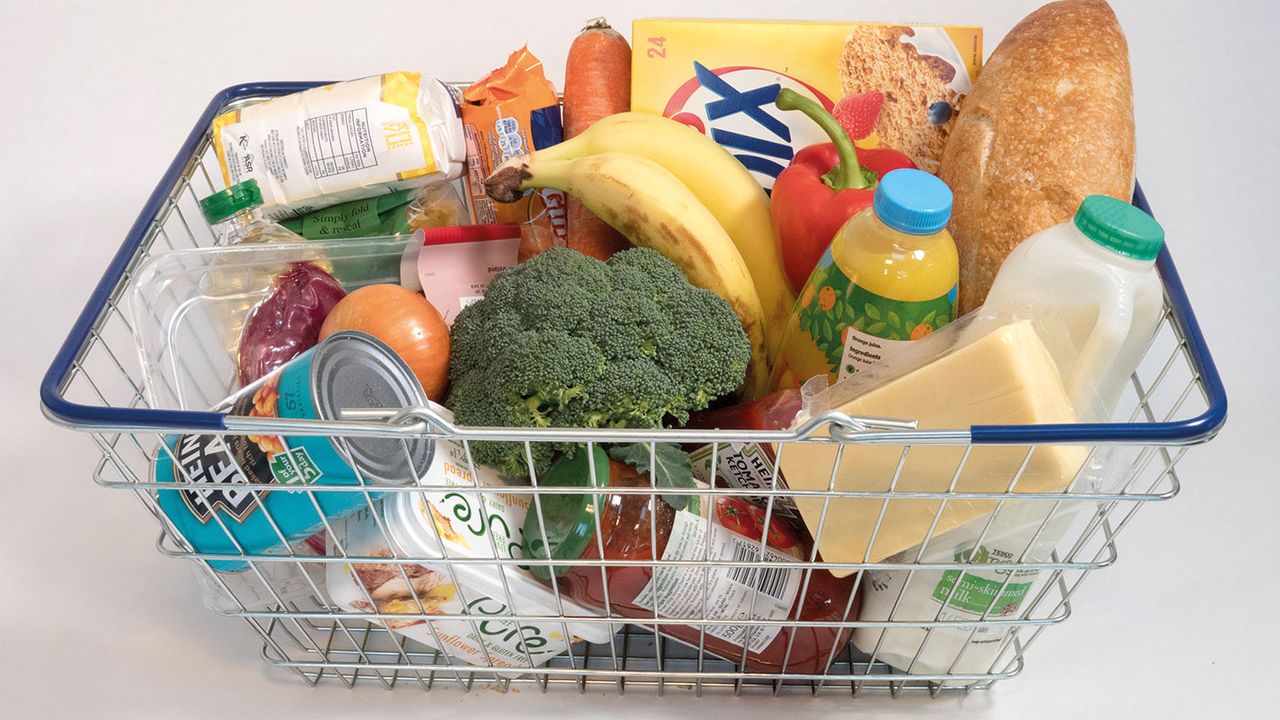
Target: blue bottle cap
912	202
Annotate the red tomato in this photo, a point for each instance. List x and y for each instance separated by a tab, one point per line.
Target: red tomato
735	514
781	536
406	322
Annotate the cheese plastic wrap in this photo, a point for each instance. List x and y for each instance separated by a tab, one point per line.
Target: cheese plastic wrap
946	381
346	141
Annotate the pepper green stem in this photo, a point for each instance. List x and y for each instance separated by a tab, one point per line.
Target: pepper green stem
847	174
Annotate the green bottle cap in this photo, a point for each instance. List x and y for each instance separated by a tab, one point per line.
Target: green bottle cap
1120	227
569	519
237	198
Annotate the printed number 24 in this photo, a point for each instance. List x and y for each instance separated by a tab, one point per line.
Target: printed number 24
657	51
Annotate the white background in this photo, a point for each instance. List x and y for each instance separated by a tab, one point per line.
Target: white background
93	102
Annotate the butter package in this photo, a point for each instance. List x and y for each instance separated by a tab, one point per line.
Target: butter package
513	110
474	601
341	142
721	77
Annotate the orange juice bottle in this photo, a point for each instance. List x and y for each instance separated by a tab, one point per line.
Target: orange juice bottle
889	277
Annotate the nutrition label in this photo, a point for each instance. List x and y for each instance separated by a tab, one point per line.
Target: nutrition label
337	143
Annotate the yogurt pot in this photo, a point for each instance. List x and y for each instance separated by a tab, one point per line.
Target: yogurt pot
439	524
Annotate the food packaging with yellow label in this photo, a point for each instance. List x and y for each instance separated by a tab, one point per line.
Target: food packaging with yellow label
345	141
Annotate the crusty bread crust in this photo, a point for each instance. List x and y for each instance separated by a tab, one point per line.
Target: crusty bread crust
1049	121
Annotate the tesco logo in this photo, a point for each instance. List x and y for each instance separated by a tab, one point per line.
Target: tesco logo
734	106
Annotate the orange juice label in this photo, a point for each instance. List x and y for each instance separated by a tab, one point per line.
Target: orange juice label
901	84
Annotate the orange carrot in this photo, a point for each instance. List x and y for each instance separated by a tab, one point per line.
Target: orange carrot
597	83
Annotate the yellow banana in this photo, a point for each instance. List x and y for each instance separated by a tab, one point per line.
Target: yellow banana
653	209
719	182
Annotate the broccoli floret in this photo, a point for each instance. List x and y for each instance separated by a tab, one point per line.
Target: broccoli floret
706	361
565	340
630	393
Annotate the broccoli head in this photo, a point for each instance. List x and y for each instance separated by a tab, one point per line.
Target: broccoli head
565	340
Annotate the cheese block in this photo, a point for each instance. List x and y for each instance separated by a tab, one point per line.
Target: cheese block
1005	377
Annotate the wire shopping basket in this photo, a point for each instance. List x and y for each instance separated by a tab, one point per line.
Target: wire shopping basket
462	618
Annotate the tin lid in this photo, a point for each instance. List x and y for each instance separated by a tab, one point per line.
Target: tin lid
352	370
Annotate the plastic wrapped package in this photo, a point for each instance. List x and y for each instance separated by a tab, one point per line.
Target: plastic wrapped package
188	308
512	111
436	206
1005	376
397	213
344	141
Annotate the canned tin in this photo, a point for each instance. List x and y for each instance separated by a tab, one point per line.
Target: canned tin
349	370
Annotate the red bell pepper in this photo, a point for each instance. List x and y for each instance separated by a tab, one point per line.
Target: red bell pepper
825	185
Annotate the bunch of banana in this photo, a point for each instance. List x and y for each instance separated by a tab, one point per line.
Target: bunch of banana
668	187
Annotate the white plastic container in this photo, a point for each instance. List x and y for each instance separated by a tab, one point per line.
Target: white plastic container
1096	276
439	524
1024	532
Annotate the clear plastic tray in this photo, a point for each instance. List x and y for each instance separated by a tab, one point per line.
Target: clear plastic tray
188	307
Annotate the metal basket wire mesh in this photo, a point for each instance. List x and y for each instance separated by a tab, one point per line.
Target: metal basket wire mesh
1175	401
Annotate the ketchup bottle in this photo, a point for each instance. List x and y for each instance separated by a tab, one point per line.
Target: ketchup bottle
630	523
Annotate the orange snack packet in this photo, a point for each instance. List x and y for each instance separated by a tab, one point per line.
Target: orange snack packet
512	111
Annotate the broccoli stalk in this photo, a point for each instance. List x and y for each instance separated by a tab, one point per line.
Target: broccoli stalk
565	340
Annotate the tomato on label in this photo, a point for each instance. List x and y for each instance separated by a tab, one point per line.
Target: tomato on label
781	536
735	514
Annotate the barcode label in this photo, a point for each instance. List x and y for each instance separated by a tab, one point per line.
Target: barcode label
770	581
723	591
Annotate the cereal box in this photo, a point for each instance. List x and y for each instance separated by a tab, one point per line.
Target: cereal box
721	77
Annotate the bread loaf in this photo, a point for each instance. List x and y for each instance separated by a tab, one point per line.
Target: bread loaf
1049	121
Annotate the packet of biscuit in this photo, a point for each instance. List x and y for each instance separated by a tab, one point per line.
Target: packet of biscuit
512	111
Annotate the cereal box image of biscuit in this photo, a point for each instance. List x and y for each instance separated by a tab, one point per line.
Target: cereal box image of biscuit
921	77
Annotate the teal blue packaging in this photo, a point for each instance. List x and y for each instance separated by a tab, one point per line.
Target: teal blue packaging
348	370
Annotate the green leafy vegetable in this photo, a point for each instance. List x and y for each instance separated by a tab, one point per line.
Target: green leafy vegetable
564	340
672	467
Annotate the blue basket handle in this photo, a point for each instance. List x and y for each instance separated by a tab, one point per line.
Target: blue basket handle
92	417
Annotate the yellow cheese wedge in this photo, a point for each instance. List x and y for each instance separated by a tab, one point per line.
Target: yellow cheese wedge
1005	377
